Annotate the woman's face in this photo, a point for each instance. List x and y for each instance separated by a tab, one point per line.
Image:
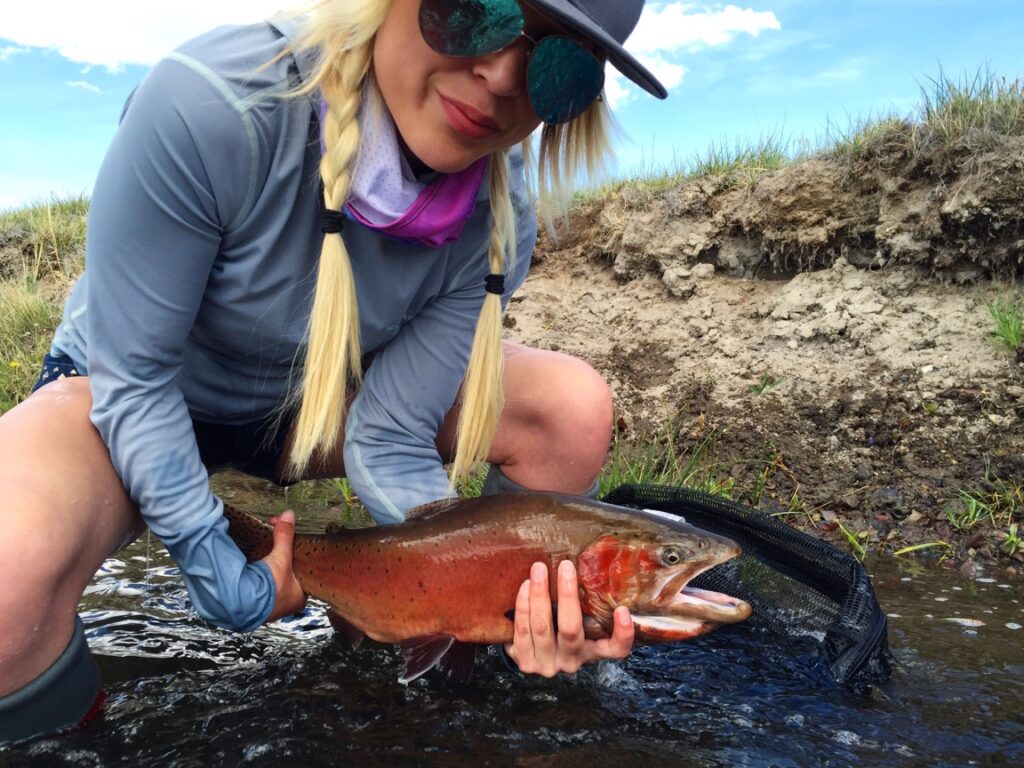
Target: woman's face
450	111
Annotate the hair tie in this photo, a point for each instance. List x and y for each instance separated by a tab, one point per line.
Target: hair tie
331	222
495	284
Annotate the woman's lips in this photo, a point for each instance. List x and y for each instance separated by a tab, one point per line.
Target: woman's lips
468	121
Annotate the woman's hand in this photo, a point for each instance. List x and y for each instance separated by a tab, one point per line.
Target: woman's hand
290	597
538	649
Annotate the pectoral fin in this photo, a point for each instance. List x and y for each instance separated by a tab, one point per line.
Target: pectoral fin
422	654
458	662
347	631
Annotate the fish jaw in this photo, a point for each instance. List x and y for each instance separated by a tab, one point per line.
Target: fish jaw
691	612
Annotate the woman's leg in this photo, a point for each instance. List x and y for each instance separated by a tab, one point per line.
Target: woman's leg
556	426
64	512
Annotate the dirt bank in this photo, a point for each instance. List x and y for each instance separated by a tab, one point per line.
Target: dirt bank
826	326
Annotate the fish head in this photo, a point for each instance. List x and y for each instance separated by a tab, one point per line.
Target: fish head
647	568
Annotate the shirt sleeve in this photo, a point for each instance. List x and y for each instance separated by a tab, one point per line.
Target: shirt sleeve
173	178
390	454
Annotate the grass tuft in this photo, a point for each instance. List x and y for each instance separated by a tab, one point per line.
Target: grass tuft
996	502
952	108
972	107
1008	316
746	160
45	239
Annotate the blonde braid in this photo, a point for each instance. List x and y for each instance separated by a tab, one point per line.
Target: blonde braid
482	395
345	31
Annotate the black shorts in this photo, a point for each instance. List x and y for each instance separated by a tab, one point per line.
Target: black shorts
253	448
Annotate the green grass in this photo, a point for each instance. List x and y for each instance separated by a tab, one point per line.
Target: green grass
736	162
863	135
27	323
1008	316
994	502
766	384
662	462
745	159
41	256
952	108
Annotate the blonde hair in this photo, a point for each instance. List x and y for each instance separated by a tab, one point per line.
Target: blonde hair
339	35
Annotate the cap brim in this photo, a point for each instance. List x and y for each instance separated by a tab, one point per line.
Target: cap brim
577	21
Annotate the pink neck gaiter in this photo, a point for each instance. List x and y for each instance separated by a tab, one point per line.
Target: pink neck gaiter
385	194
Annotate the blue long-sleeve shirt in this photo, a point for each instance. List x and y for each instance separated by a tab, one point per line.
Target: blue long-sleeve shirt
201	257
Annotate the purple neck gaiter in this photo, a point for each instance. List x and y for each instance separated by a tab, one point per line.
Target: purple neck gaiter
385	194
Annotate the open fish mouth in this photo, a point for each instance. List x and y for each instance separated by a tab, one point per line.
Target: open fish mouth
691	612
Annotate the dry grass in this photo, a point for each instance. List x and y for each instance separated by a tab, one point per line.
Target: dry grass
44	240
968	110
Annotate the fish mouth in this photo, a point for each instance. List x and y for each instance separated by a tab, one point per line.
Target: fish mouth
681	611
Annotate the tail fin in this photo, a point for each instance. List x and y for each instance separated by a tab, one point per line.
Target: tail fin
253	536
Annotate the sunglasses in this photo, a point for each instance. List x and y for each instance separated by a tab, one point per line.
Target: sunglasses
562	77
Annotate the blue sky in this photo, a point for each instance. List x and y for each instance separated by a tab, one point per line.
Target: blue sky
735	72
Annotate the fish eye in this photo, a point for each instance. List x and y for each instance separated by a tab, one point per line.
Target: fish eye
671	556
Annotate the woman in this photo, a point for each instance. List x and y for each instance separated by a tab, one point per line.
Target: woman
336	196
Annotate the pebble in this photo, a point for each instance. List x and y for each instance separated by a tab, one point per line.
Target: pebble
964	622
1012	625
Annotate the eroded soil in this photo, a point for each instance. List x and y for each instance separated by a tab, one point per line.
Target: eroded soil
855	384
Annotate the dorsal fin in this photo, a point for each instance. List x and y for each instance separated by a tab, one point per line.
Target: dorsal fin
421	654
333	527
431	508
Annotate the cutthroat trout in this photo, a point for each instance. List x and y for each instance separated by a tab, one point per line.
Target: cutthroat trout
449	575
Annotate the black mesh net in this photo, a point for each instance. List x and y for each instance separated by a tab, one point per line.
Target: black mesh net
798	586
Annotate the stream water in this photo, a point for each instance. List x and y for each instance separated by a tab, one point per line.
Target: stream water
181	694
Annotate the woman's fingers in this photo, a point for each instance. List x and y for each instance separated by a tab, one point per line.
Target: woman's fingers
571	638
538	649
290	598
542	629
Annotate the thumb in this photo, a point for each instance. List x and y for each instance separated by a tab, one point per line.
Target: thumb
284	538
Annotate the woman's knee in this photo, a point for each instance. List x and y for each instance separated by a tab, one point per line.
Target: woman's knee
65	509
580	402
564	402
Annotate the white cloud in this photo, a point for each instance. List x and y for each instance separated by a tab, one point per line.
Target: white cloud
113	33
9	51
83	85
668	73
667	31
673	26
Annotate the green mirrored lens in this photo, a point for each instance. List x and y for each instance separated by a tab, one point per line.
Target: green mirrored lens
563	79
470	27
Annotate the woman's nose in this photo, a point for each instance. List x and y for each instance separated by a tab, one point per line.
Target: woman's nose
505	70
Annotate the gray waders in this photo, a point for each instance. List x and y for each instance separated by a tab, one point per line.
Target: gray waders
61	697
